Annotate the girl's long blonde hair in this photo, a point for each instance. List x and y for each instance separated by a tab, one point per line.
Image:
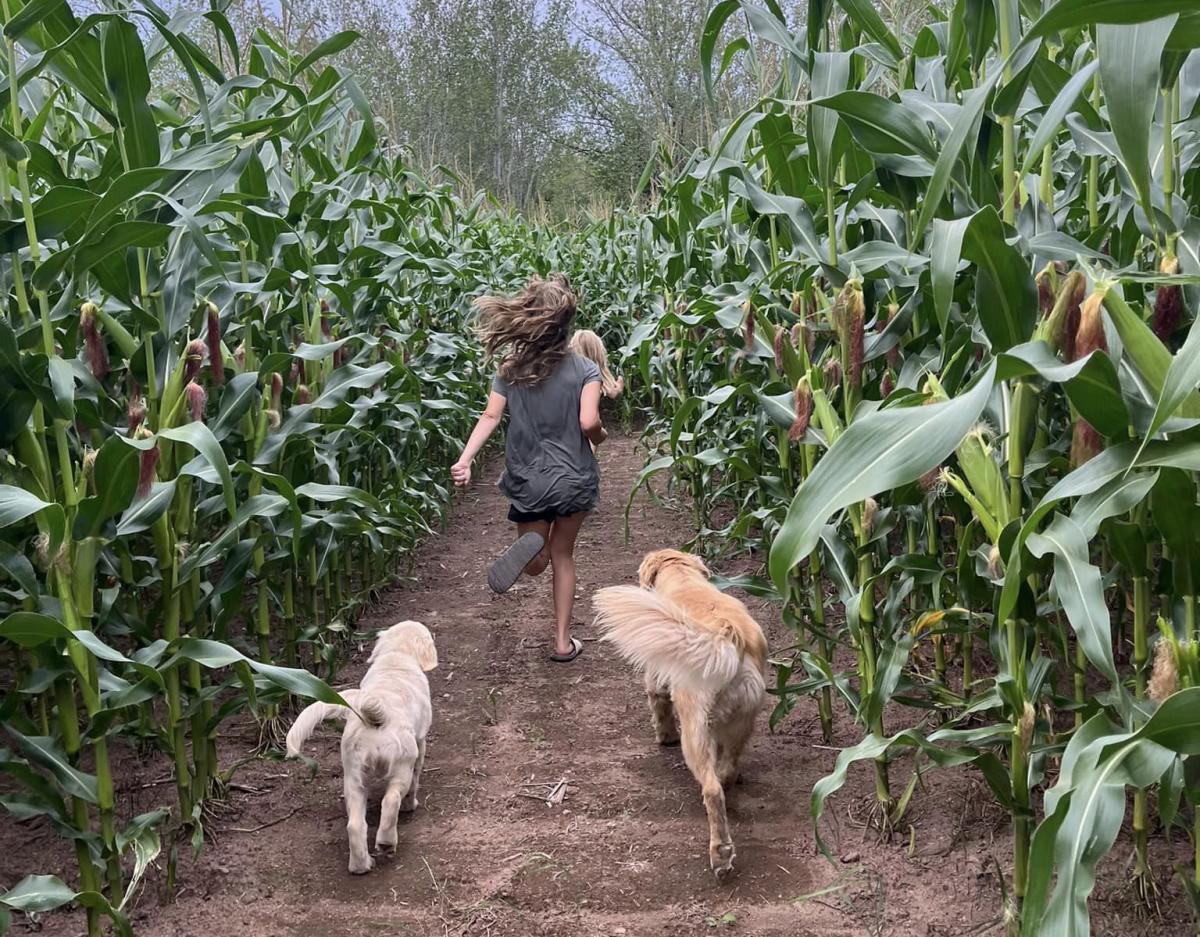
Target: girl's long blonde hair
587	343
528	331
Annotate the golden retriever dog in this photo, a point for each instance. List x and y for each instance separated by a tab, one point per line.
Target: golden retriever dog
705	661
383	744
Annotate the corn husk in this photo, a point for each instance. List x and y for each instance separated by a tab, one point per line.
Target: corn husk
1168	302
803	408
216	360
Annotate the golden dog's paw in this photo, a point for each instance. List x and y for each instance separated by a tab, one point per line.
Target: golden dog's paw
408	806
385	846
721	859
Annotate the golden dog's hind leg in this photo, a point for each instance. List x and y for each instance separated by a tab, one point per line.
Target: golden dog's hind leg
356	821
700	755
734	736
662	711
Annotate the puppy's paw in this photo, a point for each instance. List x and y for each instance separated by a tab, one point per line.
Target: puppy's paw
362	865
721	858
668	739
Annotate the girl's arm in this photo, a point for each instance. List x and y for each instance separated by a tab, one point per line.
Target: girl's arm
589	414
460	471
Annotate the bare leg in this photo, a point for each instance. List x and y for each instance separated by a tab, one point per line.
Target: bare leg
356	820
538	564
389	811
700	755
662	712
409	803
562	555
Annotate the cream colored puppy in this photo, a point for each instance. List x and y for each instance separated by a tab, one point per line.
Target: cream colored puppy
384	741
705	660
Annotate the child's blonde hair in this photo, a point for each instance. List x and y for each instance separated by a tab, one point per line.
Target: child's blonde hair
587	343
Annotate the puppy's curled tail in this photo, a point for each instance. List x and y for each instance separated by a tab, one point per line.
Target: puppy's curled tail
657	635
370	711
308	720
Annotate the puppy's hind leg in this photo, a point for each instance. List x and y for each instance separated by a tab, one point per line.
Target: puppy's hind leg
399	782
356	819
699	751
410	802
662	711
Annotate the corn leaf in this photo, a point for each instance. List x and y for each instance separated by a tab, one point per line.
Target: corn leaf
1089	808
1080	590
214	654
1005	296
1129	59
128	81
880	451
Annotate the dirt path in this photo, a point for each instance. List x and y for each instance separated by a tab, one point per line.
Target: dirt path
625	853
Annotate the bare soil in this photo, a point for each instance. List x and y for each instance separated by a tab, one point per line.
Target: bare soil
624	853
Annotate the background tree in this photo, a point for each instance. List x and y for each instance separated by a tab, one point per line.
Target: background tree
551	105
487	87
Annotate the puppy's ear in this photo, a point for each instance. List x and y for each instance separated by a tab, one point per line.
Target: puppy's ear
425	651
386	640
419	643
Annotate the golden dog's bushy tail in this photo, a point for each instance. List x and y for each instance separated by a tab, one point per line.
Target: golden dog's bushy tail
370	711
657	635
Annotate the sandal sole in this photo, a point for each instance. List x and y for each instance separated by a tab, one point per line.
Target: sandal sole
507	569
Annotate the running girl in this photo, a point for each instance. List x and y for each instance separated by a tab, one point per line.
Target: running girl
550	474
587	343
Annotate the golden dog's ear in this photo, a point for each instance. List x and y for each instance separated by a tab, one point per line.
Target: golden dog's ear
697	563
649	569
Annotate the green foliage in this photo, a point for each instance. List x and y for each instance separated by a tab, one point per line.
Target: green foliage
237	356
924	336
921	335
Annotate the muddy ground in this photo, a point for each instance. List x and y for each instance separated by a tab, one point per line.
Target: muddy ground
625	853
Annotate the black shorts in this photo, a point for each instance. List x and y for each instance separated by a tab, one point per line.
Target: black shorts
530	517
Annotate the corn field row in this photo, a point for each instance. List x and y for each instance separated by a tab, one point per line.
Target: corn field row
925	334
236	359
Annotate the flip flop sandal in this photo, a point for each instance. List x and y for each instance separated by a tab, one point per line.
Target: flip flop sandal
576	647
507	569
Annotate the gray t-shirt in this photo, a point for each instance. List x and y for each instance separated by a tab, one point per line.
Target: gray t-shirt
549	464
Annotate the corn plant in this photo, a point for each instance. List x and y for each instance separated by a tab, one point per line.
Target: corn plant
235	352
925	336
